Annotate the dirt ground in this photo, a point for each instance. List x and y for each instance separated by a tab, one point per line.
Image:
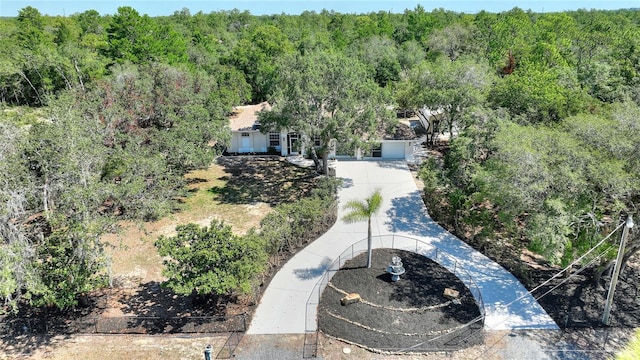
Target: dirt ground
115	347
239	190
135	259
580	301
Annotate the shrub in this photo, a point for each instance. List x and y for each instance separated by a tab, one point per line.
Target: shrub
210	260
294	224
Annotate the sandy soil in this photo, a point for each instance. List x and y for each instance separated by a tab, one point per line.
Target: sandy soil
116	347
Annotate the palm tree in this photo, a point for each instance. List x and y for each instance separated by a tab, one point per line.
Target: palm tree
364	210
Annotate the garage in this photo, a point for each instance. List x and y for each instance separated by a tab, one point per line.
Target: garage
393	150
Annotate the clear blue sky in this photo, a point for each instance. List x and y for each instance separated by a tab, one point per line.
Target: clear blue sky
261	7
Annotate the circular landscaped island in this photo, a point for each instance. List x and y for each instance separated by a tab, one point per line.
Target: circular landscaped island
409	315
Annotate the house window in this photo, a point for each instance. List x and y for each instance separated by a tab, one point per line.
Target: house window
377	151
274	139
316	141
245	135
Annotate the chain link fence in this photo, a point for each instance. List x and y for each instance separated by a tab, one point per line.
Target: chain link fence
440	256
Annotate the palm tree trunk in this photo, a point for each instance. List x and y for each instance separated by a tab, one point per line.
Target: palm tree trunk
369	244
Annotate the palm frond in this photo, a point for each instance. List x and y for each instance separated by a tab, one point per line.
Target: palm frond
374	202
358	211
363	210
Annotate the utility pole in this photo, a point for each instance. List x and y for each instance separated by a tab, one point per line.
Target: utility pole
616	270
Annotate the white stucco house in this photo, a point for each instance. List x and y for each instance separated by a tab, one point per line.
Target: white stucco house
246	138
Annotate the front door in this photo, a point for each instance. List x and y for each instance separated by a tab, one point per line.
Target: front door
292	140
245	141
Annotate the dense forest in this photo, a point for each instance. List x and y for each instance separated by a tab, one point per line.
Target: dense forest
103	115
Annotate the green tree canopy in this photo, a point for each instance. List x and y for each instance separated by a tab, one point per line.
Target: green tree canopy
568	181
381	54
331	97
256	55
139	39
540	95
449	86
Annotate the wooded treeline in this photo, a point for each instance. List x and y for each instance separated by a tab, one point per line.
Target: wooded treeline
102	115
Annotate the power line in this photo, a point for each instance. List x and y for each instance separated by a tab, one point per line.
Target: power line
530	293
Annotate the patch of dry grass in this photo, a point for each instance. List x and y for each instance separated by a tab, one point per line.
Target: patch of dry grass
238	190
134	256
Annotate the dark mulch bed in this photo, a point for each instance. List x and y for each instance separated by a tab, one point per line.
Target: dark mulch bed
384	328
580	301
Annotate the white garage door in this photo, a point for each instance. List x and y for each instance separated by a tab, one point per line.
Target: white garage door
393	150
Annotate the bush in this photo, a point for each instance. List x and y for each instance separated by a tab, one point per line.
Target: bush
292	225
210	260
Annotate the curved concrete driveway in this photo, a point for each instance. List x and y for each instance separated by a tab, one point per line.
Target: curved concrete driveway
282	309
